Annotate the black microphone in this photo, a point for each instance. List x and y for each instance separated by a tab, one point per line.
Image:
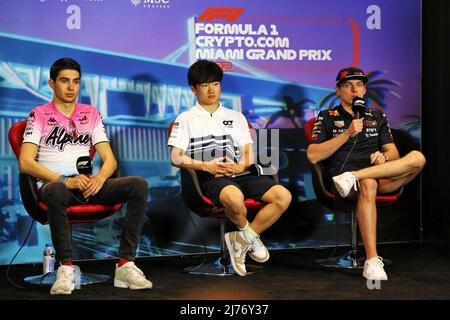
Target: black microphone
358	107
84	165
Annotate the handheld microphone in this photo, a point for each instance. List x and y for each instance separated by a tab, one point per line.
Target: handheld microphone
358	107
84	165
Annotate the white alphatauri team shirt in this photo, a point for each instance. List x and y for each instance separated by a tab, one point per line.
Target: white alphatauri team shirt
205	136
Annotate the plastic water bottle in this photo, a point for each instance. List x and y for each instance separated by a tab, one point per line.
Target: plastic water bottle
49	259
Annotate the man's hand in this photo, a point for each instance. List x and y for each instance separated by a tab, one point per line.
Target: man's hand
223	167
79	182
355	127
377	158
94	186
230	169
215	167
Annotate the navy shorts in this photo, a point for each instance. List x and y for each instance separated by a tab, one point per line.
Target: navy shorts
329	174
253	187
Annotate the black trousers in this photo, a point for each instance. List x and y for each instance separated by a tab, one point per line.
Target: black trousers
132	190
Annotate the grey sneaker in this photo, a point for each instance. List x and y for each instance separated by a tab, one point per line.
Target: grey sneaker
373	269
237	247
258	251
65	281
345	182
130	276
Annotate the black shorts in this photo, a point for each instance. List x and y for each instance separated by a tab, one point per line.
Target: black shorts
253	187
330	173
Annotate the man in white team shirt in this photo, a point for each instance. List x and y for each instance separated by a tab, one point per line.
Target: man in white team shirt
216	142
57	134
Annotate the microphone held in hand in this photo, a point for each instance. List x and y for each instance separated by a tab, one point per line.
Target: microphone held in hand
84	165
358	107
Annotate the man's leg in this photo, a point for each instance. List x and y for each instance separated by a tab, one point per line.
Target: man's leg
134	192
391	175
278	199
366	213
238	242
58	197
394	174
232	200
367	220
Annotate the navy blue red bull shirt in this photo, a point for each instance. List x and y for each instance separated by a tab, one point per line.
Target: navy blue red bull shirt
331	123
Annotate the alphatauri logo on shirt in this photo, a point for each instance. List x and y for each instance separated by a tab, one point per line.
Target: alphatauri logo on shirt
60	137
228	123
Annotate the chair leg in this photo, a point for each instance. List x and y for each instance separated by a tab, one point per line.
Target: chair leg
217	267
352	259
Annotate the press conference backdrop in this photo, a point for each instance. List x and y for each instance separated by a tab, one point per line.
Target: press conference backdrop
280	60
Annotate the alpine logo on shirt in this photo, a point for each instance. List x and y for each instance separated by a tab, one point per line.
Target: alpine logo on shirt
83	120
59	137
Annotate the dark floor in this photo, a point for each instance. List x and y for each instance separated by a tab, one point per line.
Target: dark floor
420	271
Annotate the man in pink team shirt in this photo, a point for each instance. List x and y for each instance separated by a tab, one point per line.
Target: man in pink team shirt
57	134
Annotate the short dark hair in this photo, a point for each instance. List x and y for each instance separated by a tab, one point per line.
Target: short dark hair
204	71
63	64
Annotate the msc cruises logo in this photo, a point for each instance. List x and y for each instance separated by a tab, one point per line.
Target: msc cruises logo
152	4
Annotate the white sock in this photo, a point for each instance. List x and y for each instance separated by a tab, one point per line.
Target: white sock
249	234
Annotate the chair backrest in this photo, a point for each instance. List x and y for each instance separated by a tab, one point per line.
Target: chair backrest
309	125
27	183
15	136
191	191
170	127
318	171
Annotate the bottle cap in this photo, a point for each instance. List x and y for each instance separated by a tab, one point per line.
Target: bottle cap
48	244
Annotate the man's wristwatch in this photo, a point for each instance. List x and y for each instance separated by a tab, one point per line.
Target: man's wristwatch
63	179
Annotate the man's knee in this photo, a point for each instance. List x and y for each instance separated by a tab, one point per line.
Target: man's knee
55	192
417	160
232	198
138	185
368	188
281	197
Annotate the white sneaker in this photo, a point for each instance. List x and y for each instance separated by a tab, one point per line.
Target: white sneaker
258	251
345	182
373	269
65	281
237	247
130	276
